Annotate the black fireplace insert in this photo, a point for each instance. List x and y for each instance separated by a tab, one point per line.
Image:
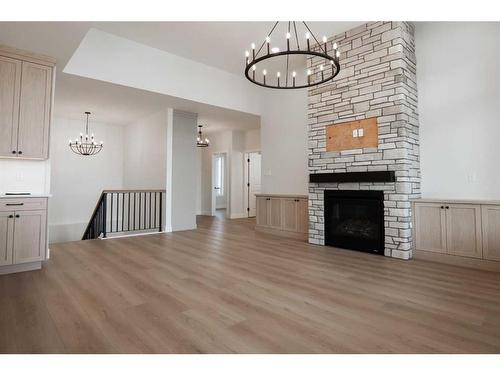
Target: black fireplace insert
354	219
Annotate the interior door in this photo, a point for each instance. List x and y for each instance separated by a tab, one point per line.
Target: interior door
29	236
34	112
10	85
220	181
6	233
253	181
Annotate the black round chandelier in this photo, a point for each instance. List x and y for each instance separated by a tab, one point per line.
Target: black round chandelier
200	141
85	145
282	78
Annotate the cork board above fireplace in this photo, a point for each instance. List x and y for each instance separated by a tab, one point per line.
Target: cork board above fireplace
352	135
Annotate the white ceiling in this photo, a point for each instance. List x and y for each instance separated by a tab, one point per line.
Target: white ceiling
219	44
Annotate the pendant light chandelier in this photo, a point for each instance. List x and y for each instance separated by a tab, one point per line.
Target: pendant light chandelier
200	141
282	78
85	145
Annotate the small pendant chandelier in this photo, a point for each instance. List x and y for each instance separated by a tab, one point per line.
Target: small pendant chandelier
85	145
325	67
200	141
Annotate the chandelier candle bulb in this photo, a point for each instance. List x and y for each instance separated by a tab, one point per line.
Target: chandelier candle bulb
308	43
264	72
278	75
253	50
324	41
268	40
293	78
322	69
308	76
288	41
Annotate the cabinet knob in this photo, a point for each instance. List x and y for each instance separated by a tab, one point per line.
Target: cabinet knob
442	207
447	207
19	152
17	215
11	216
14	151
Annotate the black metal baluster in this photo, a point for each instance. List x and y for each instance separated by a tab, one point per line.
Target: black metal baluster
161	209
156	193
123	209
128	222
150	211
111	214
105	214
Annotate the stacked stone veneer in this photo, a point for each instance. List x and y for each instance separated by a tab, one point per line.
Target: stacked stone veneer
377	79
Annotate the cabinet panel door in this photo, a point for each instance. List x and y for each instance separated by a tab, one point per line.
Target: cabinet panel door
262	212
29	236
6	234
430	227
491	232
463	230
303	216
34	113
275	208
289	218
10	85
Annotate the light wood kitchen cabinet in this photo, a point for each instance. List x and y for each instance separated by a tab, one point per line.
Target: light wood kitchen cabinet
465	228
26	92
6	235
262	215
430	227
10	88
23	233
490	219
285	215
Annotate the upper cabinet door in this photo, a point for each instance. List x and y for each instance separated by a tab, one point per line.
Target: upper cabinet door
10	85
34	113
463	230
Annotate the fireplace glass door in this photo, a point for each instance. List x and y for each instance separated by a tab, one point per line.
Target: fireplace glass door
355	220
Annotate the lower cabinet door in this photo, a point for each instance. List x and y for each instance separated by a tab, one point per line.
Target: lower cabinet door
275	213
302	216
262	214
6	237
29	236
289	218
430	227
490	222
463	230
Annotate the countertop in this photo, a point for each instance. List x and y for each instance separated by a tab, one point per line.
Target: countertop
26	196
302	196
457	201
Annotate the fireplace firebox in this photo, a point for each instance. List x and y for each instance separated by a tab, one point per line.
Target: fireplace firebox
354	219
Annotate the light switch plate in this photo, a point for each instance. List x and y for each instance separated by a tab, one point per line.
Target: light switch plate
355	133
360	132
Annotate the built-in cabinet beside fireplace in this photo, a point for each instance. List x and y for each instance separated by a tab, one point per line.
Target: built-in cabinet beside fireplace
285	215
462	228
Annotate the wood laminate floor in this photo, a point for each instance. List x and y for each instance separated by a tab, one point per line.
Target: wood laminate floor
224	288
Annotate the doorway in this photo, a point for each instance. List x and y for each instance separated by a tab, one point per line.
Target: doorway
219	184
252	180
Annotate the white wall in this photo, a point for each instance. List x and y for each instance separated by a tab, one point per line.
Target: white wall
145	156
284	141
77	181
237	176
110	58
31	176
458	73
181	174
252	140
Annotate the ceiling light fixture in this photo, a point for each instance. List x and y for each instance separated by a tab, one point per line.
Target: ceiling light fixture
85	145
316	75
200	141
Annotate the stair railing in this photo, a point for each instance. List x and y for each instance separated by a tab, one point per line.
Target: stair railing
123	211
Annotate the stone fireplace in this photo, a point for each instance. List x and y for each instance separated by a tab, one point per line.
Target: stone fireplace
377	80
